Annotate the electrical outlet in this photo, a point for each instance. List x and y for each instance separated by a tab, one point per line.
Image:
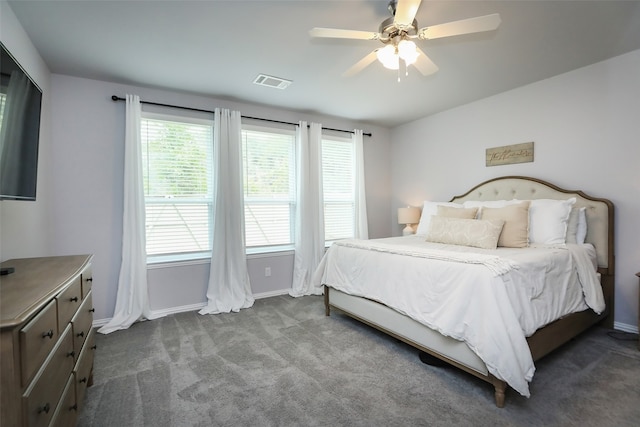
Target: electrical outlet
267	272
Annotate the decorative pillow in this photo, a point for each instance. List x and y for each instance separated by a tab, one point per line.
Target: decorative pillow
478	233
576	226
428	210
548	220
454	212
515	232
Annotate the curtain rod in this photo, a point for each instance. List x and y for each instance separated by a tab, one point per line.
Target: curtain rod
117	98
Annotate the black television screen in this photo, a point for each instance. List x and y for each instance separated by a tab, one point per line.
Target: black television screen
20	102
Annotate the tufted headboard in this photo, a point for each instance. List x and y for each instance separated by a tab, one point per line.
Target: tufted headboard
599	211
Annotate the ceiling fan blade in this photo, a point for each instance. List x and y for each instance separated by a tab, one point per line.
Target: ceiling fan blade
464	26
406	12
361	65
424	64
342	34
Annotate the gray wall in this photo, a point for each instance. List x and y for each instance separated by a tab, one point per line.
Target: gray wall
86	205
584	125
24	226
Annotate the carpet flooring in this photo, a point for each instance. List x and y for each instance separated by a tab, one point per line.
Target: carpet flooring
284	363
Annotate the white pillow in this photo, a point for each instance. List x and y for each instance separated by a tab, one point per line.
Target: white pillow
548	220
577	226
428	210
581	232
488	204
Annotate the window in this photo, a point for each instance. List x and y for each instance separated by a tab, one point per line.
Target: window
268	157
177	156
177	171
338	186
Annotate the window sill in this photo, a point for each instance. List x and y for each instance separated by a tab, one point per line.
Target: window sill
205	258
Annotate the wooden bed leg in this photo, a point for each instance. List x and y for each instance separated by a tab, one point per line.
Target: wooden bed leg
501	388
327	309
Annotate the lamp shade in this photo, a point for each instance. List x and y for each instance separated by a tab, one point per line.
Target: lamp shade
408	215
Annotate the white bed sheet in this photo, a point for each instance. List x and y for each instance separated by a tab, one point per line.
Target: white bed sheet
467	299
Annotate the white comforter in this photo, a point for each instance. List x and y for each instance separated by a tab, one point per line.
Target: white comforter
490	299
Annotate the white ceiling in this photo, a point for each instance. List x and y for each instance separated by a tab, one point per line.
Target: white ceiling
218	47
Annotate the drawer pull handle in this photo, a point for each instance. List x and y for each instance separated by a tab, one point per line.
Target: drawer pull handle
49	334
93	310
89	279
83	380
71	353
74	407
74	299
94	347
46	408
80	334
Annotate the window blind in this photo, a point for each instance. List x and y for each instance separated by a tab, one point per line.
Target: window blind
338	184
177	162
269	185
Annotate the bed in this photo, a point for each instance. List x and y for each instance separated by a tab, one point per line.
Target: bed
485	287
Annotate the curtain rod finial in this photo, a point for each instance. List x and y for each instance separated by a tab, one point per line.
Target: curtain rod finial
114	98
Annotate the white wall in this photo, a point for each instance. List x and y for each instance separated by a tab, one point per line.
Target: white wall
24	229
585	128
86	206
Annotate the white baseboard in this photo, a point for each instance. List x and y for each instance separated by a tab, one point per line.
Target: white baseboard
155	314
97	323
271	294
625	327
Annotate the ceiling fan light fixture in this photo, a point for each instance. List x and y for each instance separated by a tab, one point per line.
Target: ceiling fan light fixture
408	51
388	57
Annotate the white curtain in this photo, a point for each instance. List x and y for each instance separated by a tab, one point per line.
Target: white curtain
229	286
309	221
361	225
132	302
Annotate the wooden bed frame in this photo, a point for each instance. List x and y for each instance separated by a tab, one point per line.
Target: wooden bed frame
544	340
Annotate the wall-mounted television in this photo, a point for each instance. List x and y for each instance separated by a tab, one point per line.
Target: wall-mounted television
20	103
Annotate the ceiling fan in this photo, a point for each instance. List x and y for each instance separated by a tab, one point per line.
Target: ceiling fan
398	32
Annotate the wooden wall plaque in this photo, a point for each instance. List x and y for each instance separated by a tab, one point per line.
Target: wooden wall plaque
510	154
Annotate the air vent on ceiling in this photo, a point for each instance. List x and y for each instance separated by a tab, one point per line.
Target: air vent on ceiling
270	81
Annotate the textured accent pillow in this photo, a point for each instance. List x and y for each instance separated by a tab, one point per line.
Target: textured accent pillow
478	233
515	232
428	210
548	220
456	212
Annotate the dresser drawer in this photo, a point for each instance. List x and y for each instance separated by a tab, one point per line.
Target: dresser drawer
37	303
66	414
68	302
82	323
37	339
87	281
82	371
42	396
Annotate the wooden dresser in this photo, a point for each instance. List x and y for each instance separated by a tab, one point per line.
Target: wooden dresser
46	341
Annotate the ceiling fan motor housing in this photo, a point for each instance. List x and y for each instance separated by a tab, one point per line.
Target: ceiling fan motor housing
389	31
